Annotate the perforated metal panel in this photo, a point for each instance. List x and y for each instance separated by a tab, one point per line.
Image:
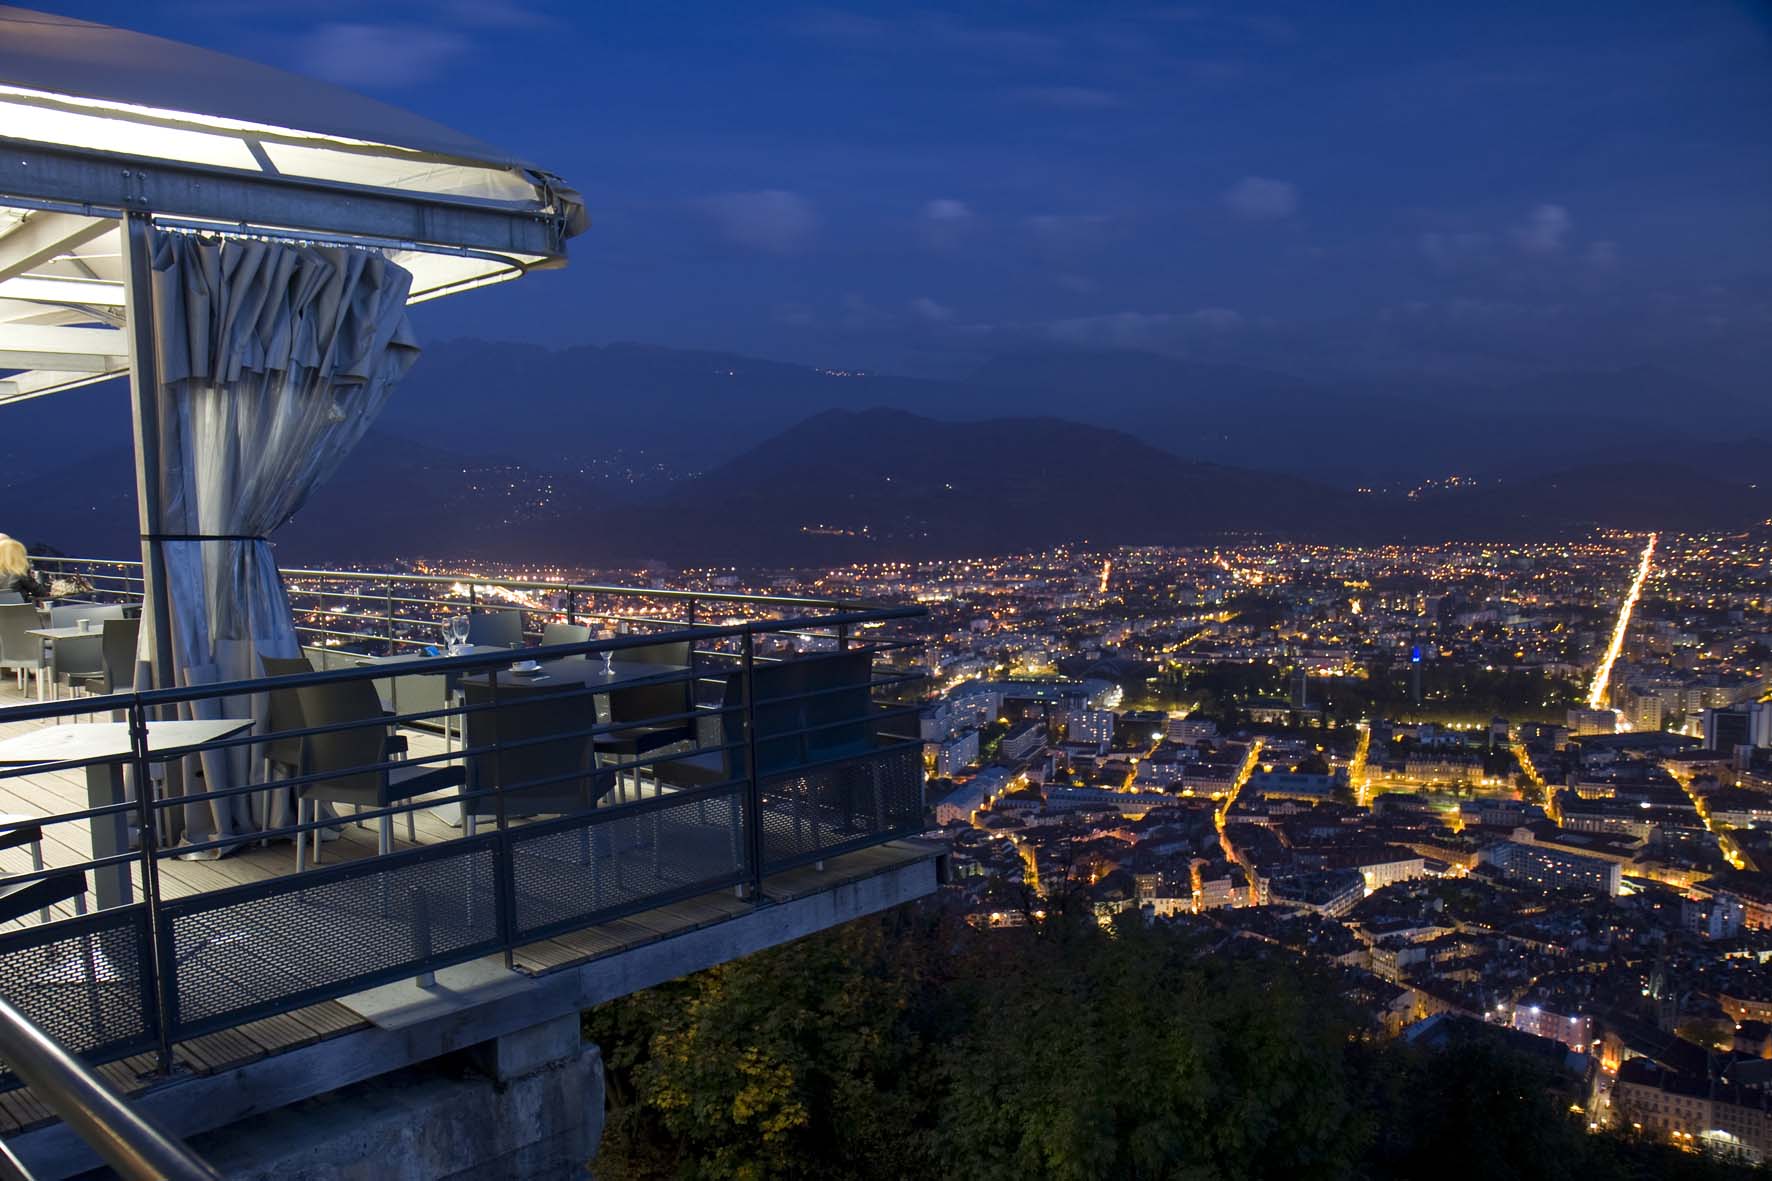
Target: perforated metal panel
272	946
825	810
570	874
84	981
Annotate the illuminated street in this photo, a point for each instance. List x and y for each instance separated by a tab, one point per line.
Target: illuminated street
1596	696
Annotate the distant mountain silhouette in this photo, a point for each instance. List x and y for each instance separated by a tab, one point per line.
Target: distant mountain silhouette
880	482
1371	431
847	485
560	407
625	452
1617	495
697	409
638	406
884	483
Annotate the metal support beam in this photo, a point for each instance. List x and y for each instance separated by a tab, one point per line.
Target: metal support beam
62	290
231	199
44	236
144	400
65	350
39	382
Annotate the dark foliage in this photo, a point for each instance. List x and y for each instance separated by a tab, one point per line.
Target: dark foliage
912	1045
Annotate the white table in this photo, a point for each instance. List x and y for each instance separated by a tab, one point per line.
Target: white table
63	635
105	747
426	692
68	633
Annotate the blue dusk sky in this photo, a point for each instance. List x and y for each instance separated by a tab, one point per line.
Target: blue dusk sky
1350	189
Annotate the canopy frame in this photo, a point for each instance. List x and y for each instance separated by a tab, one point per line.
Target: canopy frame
88	150
111	184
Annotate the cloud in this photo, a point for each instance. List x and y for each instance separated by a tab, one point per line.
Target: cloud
1272	28
1077	284
931	311
1156	331
943	222
1454	251
948	33
379	56
771	220
847	28
1067	240
1215	319
858	312
1256	198
1543	230
926	31
1068	229
1546	239
494	14
1067	98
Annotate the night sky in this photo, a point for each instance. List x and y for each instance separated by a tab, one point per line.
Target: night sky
1350	189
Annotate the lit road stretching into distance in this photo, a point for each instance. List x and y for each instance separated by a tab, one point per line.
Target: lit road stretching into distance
1596	696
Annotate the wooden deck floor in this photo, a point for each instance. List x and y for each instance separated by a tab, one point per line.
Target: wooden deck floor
70	842
20	1110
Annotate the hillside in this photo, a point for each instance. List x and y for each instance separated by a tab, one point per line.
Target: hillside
845	485
675	411
881	483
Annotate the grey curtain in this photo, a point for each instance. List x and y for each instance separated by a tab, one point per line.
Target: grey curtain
274	360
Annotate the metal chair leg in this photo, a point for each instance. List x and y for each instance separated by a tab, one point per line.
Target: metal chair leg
301	838
37	864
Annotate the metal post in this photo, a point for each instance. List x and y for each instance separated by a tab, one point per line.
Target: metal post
159	938
753	789
690	614
144	397
571	606
388	619
504	873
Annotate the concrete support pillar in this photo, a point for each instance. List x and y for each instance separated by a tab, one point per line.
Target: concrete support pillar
525	1105
507	1058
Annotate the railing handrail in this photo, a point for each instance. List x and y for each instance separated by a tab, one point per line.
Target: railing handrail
384	576
847	812
126	1139
476	661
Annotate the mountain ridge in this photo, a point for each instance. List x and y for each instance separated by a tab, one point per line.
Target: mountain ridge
845	485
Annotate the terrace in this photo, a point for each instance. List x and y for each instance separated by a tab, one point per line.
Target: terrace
267	835
188	955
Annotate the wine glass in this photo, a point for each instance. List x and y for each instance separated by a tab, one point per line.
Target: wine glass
608	662
443	630
458	628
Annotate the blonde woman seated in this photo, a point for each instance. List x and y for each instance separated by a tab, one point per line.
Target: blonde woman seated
16	574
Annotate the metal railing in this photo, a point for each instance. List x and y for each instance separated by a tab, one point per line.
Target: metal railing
122	1136
384	612
787	773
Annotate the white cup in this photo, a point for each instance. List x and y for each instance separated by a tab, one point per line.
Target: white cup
86	625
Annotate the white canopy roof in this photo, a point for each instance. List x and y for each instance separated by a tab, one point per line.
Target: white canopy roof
60	55
97	121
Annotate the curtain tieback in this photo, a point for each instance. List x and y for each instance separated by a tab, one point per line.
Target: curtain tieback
204	537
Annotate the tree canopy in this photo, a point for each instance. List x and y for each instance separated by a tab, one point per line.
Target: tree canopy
912	1045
